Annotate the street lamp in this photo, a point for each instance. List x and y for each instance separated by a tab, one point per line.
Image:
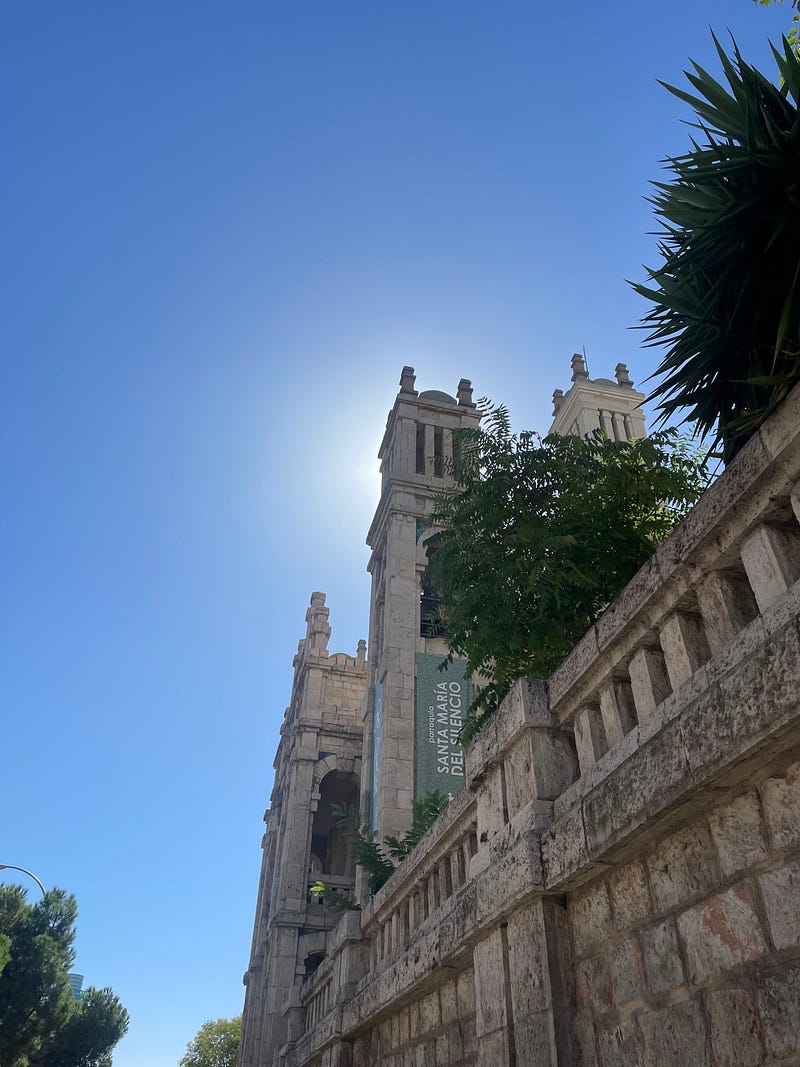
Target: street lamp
11	867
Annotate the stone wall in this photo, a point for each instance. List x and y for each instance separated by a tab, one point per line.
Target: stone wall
438	1028
691	953
618	885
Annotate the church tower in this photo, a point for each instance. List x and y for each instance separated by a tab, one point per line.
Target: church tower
413	711
317	765
599	404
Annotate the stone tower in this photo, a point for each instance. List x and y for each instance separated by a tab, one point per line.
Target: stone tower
599	404
412	711
318	764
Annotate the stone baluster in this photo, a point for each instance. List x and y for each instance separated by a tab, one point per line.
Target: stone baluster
590	739
685	647
649	681
727	606
771	558
617	711
445	879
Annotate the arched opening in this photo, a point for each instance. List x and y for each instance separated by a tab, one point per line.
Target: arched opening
330	853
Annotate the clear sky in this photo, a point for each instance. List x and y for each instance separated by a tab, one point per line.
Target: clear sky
226	227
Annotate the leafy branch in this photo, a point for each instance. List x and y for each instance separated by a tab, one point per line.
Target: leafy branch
540	534
379	862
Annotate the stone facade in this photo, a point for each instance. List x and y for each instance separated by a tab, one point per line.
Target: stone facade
414	453
618	884
318	763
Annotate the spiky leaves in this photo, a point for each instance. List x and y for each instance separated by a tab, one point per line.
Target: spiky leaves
727	296
539	535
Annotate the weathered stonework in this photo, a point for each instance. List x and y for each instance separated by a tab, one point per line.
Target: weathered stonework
618	884
318	763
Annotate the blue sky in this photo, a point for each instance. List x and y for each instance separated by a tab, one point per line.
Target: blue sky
226	228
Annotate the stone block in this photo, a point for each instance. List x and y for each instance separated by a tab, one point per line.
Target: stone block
662	959
430	1017
685	647
771	557
493	1049
449	1005
564	847
781	798
491	1010
554	763
402	1026
675	1036
625	965
617	710
534	1039
528	962
590	918
590	737
738	834
727	605
444	1051
649	682
780	891
469	1037
682	868
630	896
465	989
745	706
721	932
650	780
778	994
585	1050
618	1045
413	1021
425	1052
735	1029
455	1043
594	984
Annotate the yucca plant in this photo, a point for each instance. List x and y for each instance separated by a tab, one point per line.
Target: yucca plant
727	296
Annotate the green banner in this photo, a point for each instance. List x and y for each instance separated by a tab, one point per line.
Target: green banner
443	697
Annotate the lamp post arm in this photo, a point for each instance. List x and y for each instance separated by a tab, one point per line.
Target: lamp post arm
11	867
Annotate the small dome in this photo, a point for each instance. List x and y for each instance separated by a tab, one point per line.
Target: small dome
603	381
438	396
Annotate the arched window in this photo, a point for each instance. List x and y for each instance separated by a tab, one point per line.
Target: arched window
330	853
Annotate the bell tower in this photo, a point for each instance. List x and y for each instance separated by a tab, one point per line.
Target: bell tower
599	404
317	766
409	748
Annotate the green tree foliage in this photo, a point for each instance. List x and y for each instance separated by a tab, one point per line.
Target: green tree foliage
41	1024
379	862
539	535
216	1044
727	296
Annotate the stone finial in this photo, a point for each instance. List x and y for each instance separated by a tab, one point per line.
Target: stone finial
558	400
579	370
407	380
361	651
464	393
622	376
318	630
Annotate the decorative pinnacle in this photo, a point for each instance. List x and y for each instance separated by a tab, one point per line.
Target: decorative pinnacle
579	370
407	380
464	393
622	376
558	400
